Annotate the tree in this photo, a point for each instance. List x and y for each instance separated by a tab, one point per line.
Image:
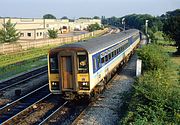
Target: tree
64	17
94	27
53	33
84	18
49	16
96	17
9	33
172	27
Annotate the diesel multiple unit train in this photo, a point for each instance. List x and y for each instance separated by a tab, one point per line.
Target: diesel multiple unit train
83	68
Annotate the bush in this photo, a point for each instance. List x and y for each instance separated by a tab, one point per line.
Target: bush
153	57
94	27
8	33
53	33
155	98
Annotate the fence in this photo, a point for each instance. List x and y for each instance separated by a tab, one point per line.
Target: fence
21	45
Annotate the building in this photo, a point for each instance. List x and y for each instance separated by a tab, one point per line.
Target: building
31	28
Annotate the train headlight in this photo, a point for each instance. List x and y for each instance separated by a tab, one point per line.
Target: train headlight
54	83
84	83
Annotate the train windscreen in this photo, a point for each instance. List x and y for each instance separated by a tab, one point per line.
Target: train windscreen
82	62
54	64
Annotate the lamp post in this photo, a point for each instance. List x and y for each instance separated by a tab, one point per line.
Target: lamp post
146	31
146	26
123	22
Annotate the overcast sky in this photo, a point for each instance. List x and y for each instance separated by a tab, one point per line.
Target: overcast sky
84	8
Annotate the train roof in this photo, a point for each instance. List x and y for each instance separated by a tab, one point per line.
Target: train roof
96	44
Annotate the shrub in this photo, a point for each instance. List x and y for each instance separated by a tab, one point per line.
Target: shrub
53	33
94	27
155	98
9	33
153	57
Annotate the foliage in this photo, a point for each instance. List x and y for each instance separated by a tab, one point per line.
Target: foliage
94	27
138	21
163	39
172	26
64	17
84	18
155	98
9	33
153	57
49	16
53	33
96	17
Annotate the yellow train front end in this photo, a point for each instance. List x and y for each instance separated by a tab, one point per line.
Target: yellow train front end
68	72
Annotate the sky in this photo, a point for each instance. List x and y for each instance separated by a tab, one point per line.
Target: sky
84	8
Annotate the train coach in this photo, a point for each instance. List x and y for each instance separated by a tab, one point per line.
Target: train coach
83	68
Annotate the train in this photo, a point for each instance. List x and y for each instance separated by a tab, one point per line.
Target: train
82	69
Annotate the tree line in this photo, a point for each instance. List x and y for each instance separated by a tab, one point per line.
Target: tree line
168	23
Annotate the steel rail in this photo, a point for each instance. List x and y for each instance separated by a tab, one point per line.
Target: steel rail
24	80
9	105
1	108
8	120
53	113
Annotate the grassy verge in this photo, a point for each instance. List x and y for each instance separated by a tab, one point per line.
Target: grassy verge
155	98
23	66
16	63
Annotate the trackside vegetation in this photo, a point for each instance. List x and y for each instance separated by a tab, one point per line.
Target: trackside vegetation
155	97
8	33
94	27
53	33
15	63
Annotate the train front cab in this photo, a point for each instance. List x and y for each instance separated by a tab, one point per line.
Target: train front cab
68	72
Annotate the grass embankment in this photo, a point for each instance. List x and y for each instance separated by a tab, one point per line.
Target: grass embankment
155	98
13	64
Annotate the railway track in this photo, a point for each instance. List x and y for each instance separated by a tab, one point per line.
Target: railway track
10	112
75	121
47	119
22	78
69	112
66	113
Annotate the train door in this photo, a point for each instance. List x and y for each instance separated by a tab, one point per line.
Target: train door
67	71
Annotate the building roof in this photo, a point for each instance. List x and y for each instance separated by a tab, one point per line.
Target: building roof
96	44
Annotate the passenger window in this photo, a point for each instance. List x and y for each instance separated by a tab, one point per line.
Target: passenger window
94	64
99	59
106	58
112	54
109	56
102	60
54	64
